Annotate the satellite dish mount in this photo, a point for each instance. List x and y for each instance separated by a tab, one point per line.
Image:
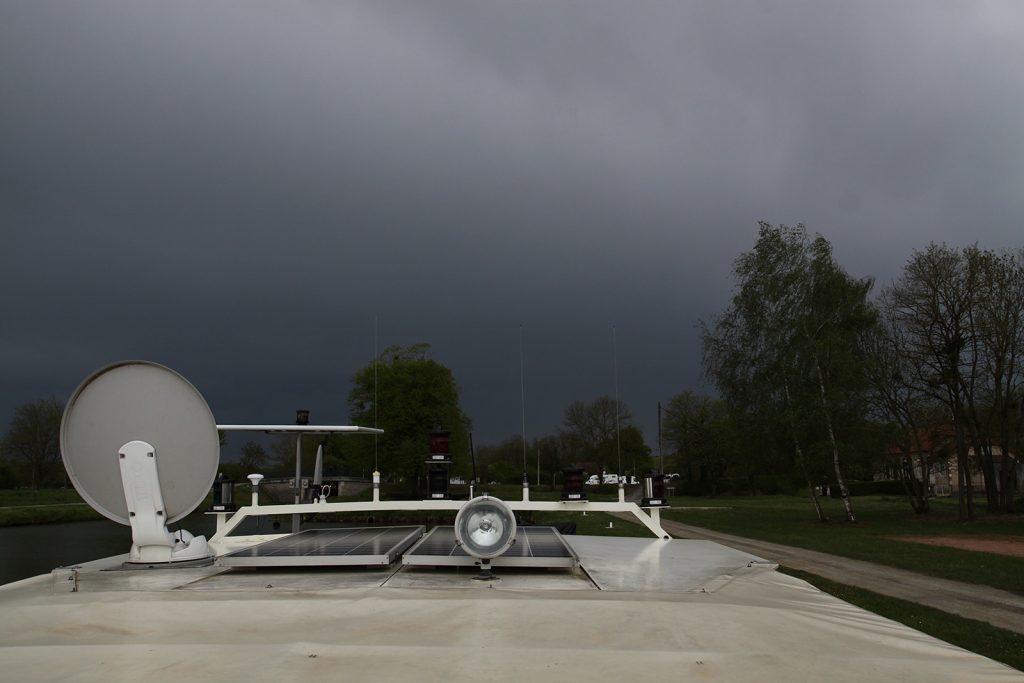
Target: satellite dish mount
140	445
151	540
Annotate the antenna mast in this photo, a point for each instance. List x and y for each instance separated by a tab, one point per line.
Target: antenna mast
615	372
376	356
522	395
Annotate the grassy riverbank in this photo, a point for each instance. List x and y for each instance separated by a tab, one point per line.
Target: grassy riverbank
43	506
874	538
791	521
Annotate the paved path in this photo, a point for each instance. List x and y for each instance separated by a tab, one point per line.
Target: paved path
997	607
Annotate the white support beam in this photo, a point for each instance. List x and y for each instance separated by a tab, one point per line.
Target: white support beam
650	520
301	429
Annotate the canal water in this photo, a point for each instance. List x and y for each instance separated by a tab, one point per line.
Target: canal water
39	548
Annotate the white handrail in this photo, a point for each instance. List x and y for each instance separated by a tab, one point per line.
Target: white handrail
651	519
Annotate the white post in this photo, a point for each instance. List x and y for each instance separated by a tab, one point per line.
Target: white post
376	486
255	480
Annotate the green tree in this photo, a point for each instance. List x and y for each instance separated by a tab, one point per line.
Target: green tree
550	450
636	454
788	339
594	431
33	439
501	463
407	395
697	428
746	350
280	460
833	312
253	458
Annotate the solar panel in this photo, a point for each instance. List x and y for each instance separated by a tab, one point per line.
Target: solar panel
535	546
328	547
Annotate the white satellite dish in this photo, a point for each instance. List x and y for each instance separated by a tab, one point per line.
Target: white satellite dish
140	445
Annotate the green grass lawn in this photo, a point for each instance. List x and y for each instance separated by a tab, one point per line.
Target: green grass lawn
13	497
791	521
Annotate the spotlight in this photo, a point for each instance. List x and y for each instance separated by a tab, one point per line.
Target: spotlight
485	528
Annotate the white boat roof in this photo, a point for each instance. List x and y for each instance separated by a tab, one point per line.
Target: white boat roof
637	608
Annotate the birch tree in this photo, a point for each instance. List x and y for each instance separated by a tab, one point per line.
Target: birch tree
789	334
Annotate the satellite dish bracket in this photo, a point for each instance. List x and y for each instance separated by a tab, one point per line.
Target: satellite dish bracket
151	541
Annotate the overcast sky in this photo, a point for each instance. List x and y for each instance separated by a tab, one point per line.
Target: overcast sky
238	190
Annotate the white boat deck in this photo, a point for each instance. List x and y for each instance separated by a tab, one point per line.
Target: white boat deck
662	610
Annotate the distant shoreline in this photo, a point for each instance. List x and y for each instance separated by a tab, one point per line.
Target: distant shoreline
21	507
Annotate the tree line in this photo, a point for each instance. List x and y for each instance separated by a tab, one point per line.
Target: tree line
818	383
405	393
818	380
598	436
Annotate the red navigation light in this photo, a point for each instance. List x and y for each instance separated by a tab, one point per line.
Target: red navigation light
440	442
440	446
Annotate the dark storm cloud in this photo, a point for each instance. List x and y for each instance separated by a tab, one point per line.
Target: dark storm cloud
238	190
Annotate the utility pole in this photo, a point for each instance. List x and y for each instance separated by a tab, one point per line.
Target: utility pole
661	452
522	395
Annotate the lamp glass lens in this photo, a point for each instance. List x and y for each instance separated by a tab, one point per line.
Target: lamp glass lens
485	527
